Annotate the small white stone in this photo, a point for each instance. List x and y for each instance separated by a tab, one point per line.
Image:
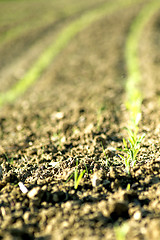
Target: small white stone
54	164
57	115
32	193
22	187
3	211
95	180
89	128
63	139
137	215
111	149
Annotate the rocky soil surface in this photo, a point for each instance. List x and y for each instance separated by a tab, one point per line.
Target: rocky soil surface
72	120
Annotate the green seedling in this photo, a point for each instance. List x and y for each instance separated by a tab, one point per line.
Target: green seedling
131	148
78	177
9	160
128	187
86	169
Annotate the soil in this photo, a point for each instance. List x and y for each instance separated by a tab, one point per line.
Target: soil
72	118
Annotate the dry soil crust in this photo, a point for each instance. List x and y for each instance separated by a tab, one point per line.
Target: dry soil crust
66	117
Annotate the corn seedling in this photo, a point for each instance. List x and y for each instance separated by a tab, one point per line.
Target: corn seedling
131	148
9	160
128	187
78	177
134	96
86	168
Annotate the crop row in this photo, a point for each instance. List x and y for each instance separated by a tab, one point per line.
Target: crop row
27	19
133	91
64	37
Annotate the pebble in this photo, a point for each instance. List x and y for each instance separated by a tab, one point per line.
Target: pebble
33	193
137	215
22	187
95	180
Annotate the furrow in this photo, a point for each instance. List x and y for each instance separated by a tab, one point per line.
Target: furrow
64	37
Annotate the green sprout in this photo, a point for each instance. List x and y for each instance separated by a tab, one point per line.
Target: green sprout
78	177
9	160
128	187
131	148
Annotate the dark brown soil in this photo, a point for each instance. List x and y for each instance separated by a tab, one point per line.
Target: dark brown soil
66	119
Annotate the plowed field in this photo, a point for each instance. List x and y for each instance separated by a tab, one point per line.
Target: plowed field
79	96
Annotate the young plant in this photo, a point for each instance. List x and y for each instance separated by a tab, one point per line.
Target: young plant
9	160
128	187
131	148
78	177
